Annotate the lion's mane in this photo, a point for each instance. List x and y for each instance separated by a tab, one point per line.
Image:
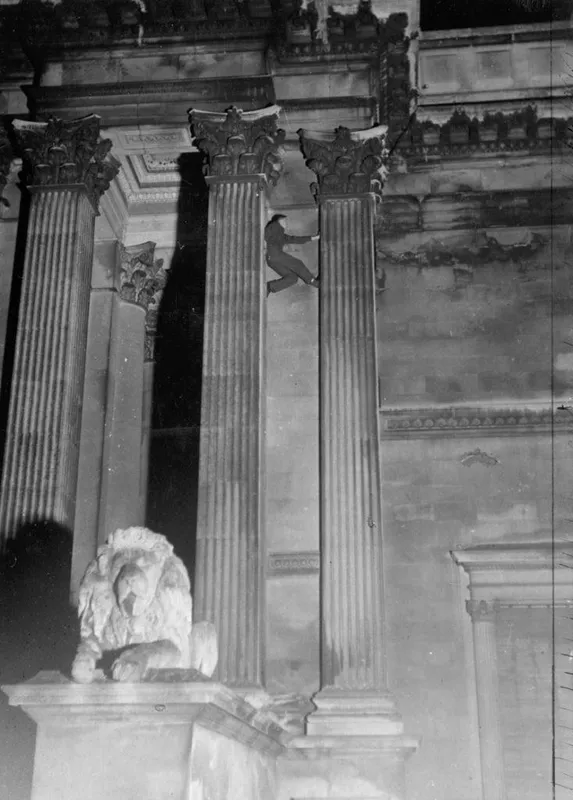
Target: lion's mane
168	615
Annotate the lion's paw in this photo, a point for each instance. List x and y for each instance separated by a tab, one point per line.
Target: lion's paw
130	666
83	669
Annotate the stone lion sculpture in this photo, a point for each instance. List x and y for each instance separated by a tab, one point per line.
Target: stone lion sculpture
135	600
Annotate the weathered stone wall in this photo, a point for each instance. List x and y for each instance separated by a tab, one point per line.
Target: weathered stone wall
434	504
480	315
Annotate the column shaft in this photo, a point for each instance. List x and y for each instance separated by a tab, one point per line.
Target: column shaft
487	687
228	585
121	462
41	459
351	524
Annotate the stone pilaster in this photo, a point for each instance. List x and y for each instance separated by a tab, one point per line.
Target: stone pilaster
142	279
483	614
349	168
66	169
242	150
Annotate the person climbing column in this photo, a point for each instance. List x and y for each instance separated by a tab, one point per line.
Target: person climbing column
288	267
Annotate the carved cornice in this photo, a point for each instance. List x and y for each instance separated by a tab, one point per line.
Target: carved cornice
81	23
346	162
527	574
60	154
239	142
5	158
464	422
462	135
142	282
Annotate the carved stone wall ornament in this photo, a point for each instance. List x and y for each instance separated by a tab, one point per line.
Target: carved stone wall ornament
5	158
142	282
60	153
348	162
239	142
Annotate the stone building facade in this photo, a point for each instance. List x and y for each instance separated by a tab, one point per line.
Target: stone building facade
370	482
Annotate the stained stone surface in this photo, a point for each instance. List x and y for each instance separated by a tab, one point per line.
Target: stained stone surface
157	739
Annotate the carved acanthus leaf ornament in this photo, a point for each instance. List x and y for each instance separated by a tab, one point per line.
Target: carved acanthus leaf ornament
239	142
348	162
60	153
142	281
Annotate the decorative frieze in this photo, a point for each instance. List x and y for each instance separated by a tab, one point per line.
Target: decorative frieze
464	421
142	282
240	142
346	162
62	153
295	563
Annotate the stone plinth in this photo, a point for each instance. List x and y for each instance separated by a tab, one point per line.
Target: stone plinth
166	741
345	767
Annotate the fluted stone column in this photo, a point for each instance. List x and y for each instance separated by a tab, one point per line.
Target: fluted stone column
483	614
66	170
5	159
242	150
160	276
142	279
353	697
7	243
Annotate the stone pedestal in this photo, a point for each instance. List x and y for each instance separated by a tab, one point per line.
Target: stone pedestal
242	150
66	174
166	741
353	696
345	767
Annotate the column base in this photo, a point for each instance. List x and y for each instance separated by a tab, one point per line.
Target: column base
341	712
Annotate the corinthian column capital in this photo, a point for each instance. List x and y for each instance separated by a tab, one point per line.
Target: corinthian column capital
346	162
142	281
239	142
5	158
482	610
62	154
